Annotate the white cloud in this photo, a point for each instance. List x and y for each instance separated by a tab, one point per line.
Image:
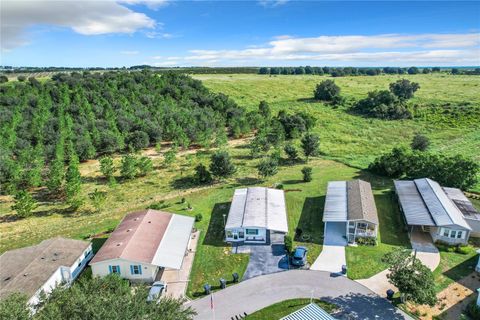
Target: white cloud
159	35
129	53
355	49
83	17
272	3
152	4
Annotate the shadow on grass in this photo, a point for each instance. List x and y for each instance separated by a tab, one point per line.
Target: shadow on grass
295	181
462	270
186	182
310	222
97	243
216	228
246	181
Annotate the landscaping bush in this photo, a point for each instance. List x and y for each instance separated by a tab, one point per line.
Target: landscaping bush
366	241
198	217
288	243
307	174
159	205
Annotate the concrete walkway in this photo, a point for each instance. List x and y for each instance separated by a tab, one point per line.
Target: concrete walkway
332	256
355	301
427	253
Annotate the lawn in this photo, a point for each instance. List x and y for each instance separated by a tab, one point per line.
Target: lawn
454	266
449	107
284	308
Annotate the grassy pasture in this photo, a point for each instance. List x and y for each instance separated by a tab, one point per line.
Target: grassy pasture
448	108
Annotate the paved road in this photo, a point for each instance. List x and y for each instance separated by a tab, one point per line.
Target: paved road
266	259
332	256
251	295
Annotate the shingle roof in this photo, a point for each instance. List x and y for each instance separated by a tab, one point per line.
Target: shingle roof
258	207
27	269
350	200
148	236
424	202
309	312
361	204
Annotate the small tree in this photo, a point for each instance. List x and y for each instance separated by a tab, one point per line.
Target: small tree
264	109
56	176
221	165
107	168
73	179
202	175
420	142
170	156
24	204
144	166
3	78
288	243
328	91
310	145
97	198
307	174
413	279
267	167
138	140
128	168
291	152
404	89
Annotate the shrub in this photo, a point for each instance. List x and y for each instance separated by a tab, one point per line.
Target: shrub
382	104
221	165
291	152
366	241
159	205
268	167
202	175
198	217
473	310
404	89
420	142
288	243
307	174
328	91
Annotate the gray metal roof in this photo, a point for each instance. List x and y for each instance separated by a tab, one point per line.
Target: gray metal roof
424	202
258	207
336	202
309	312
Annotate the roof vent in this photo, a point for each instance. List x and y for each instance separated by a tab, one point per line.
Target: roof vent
119	244
43	258
128	230
135	219
7	278
25	274
149	221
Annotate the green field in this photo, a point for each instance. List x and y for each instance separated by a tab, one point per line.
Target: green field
449	105
346	138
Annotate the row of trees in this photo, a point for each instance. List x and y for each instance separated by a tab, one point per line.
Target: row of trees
47	125
96	298
451	171
352	71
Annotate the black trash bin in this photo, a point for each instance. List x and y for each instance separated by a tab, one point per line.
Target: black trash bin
390	294
223	283
344	269
207	288
235	277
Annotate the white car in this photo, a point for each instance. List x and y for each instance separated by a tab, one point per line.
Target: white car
157	290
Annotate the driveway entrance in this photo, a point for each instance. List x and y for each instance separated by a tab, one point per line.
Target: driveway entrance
332	257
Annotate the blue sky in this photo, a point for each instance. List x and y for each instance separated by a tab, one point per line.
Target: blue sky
111	33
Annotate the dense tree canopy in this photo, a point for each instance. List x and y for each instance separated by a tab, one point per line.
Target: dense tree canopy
453	171
404	89
327	91
99	113
97	298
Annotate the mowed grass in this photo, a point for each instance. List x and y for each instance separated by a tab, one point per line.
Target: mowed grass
284	308
357	140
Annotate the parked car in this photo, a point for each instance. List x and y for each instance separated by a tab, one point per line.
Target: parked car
299	257
157	290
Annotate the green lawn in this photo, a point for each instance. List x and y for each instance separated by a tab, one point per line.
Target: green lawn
449	105
454	266
284	308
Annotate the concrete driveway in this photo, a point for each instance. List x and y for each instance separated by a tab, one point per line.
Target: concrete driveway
332	256
355	300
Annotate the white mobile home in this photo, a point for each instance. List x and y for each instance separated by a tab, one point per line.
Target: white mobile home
144	243
254	214
40	268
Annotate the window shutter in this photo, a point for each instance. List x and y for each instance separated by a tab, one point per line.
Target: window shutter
131	269
140	268
441	231
110	269
118	268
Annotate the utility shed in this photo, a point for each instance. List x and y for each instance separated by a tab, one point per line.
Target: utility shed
254	213
144	243
352	204
309	312
42	267
445	213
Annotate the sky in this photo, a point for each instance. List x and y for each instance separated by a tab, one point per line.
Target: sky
109	33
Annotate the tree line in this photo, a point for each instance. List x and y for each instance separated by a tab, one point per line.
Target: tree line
45	126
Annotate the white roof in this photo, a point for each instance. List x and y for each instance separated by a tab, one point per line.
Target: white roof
424	202
258	207
171	251
336	202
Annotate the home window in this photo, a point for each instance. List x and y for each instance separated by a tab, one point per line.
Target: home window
459	234
229	234
446	232
253	232
114	269
453	234
136	269
241	234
